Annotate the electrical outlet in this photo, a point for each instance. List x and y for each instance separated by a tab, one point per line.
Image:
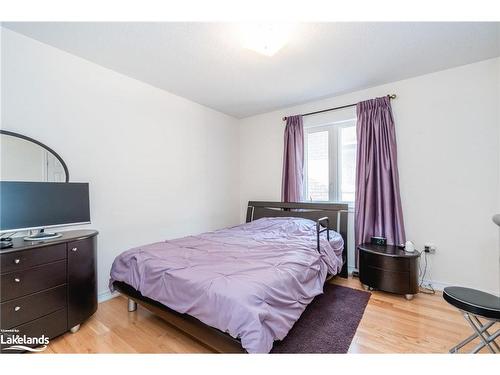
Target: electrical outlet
430	248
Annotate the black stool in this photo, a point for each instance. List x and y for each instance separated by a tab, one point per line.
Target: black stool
473	304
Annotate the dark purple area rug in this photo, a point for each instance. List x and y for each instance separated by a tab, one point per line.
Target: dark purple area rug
328	324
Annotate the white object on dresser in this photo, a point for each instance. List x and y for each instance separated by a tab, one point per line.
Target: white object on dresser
409	247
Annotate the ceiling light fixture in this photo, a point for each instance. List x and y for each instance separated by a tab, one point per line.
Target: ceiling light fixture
266	39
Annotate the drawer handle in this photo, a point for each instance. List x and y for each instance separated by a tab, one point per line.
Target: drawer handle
74	249
17	308
17	280
17	260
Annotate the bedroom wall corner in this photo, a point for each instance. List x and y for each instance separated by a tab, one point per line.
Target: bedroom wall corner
447	128
159	166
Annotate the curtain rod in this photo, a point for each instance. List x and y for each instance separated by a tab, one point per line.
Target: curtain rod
390	96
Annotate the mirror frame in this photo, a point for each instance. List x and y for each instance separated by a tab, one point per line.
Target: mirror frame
26	138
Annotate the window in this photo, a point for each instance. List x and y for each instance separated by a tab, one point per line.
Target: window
330	162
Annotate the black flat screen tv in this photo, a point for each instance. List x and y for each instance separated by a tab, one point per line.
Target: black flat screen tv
38	205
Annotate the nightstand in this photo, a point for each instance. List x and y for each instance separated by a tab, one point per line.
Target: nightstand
389	268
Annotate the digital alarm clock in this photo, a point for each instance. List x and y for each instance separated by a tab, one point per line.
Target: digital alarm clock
381	241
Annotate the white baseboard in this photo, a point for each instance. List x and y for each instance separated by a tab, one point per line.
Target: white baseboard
104	296
437	285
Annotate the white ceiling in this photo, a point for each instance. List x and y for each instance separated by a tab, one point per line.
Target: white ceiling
206	63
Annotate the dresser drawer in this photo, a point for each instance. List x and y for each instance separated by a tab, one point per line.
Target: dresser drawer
22	310
21	283
389	281
51	325
21	260
384	262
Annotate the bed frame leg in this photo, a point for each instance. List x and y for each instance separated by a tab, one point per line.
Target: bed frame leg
132	305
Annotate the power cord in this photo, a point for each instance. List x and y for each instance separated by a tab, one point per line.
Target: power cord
425	289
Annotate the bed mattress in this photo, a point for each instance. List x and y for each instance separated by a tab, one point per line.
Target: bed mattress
252	281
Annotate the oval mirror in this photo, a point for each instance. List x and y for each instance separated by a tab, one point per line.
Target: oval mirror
26	159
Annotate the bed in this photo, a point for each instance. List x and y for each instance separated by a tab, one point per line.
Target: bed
239	289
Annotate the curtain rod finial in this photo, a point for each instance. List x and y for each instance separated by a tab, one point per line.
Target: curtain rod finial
284	118
392	96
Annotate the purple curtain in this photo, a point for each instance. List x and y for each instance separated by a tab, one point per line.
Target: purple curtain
378	203
293	160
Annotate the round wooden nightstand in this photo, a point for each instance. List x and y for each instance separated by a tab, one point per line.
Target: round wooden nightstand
389	268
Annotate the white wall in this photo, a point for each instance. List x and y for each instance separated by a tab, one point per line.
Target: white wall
1	70
159	166
498	118
447	126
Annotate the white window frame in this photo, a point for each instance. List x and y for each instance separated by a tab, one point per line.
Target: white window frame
334	158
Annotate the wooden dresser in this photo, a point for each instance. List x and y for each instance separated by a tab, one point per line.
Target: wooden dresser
389	268
50	287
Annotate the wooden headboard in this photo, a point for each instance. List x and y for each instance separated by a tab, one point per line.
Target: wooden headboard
336	213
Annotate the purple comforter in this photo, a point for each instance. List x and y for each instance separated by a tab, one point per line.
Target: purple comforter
252	281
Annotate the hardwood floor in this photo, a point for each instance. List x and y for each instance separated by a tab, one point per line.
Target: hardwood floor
390	324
